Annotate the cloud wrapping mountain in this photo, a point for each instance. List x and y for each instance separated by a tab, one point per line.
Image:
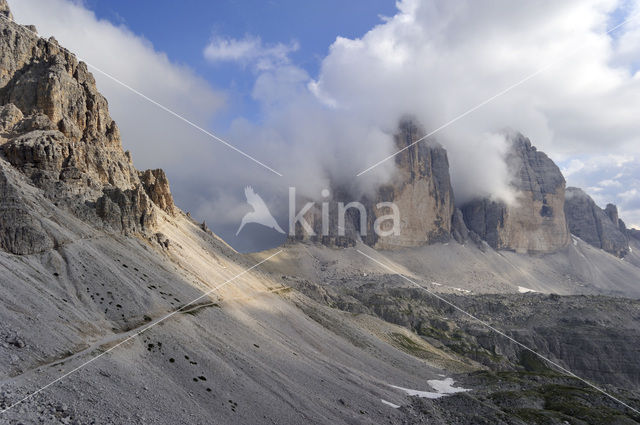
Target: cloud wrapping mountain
432	60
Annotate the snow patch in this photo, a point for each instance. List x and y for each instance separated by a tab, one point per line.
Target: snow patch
388	403
466	291
524	290
442	388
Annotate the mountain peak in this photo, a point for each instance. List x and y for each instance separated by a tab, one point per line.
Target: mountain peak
57	133
4	9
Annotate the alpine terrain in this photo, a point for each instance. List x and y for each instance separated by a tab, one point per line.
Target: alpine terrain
116	307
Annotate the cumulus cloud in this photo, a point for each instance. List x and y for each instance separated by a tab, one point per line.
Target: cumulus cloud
435	61
249	50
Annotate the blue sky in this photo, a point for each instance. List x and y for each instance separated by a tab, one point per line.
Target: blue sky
183	32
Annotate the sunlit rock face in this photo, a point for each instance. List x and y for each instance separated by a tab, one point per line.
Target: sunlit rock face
57	136
535	222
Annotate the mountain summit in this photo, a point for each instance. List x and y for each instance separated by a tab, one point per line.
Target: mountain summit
55	128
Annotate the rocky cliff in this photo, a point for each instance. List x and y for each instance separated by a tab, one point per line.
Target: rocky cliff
421	190
55	129
600	228
535	222
4	9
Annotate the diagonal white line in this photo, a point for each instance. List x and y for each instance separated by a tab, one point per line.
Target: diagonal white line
499	332
138	333
494	97
148	99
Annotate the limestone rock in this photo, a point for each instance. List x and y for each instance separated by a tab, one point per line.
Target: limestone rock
536	222
156	185
421	190
459	229
10	115
4	9
612	212
56	130
21	231
128	211
599	228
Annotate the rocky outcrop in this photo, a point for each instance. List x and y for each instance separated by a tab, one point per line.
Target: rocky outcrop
21	232
156	184
535	222
600	228
4	9
459	230
56	130
421	191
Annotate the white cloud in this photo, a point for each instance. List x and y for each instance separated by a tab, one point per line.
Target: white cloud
610	183
574	166
249	50
436	60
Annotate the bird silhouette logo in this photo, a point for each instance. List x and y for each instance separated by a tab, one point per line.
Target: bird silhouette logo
260	214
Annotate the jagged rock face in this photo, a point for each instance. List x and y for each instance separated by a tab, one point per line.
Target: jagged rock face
536	222
599	228
612	212
421	191
4	9
156	184
20	231
459	229
55	128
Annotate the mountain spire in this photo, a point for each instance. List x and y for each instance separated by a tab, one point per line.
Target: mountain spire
4	9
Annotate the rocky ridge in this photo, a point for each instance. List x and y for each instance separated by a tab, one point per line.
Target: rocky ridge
55	128
537	222
600	228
